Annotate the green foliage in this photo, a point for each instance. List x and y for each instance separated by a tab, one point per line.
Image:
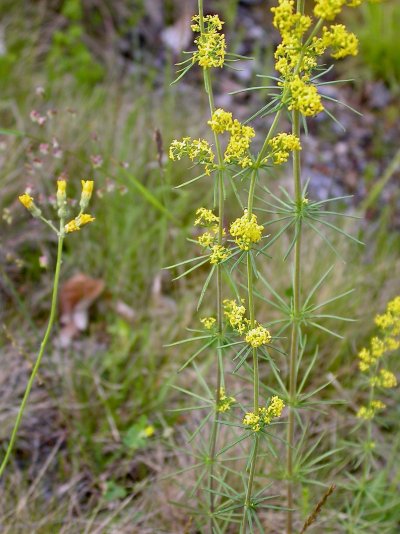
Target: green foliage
68	54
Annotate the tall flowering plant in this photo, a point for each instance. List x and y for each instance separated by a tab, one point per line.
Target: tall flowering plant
64	228
233	253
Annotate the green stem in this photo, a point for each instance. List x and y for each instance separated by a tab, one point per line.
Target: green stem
220	371
294	345
41	351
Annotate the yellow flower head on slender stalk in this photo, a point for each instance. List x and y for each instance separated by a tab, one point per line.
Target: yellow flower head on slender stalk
219	253
197	150
282	144
208	322
265	415
221	121
258	336
304	97
246	231
78	222
61	196
342	42
205	217
87	190
210	43
225	403
235	314
368	412
28	202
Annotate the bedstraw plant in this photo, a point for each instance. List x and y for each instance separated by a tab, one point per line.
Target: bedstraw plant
234	254
65	227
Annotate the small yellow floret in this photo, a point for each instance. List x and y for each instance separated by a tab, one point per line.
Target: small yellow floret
265	415
235	313
221	121
61	187
304	97
328	9
239	143
368	412
246	231
219	253
26	200
282	144
385	379
225	403
205	217
197	150
78	222
258	336
210	44
342	42
208	322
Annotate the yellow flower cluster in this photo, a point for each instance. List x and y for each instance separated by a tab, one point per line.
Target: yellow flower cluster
304	97
282	144
210	43
221	121
235	313
389	324
86	195
237	151
368	412
225	403
390	321
197	150
246	231
78	222
296	60
385	379
28	202
342	42
219	253
208	322
258	336
265	415
205	217
329	9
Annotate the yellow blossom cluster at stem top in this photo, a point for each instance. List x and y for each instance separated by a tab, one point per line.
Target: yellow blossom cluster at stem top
255	336
265	415
369	359
75	224
210	43
237	150
206	218
297	56
245	230
225	403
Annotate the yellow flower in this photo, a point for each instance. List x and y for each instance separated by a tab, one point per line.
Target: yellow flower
221	121
282	144
328	9
246	231
385	379
304	97
219	253
147	432
258	336
61	187
225	403
205	217
208	322
198	150
79	221
206	239
368	412
239	143
210	44
61	196
87	189
26	200
342	42
265	415
235	313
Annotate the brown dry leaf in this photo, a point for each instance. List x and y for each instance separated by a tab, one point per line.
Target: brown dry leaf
76	296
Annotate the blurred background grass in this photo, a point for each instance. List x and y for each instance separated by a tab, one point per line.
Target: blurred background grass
103	71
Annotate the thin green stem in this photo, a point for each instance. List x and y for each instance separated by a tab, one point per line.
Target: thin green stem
41	351
295	335
247	503
220	371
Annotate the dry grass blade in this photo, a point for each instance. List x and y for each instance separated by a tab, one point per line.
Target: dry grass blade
315	513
